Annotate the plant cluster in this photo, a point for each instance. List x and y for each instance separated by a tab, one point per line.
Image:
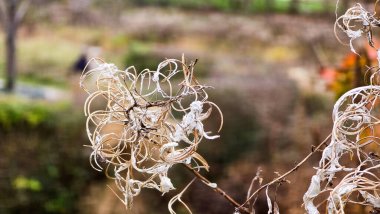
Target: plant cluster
348	170
152	120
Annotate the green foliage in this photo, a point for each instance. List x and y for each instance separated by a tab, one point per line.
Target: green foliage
222	5
47	65
59	56
22	182
241	132
118	41
191	4
315	103
35	78
42	150
258	6
141	56
252	6
264	5
16	112
314	7
2	65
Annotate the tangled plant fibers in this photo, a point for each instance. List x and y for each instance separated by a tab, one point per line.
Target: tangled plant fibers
152	120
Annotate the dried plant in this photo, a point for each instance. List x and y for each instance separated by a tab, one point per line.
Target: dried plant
354	137
151	122
348	171
355	23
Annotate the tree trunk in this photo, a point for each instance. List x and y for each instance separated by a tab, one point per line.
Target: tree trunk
10	58
10	46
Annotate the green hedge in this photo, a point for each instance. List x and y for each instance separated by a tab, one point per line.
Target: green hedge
250	6
43	167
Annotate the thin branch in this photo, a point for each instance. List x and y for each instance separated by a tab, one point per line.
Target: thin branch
282	177
217	189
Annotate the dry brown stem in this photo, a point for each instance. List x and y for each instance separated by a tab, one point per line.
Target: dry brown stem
282	178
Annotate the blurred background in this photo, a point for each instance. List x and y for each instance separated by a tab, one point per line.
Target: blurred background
276	66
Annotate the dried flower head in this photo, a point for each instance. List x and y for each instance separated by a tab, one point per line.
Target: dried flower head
353	136
350	160
355	23
152	120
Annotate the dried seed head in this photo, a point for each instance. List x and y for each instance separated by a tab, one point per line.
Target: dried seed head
136	133
354	134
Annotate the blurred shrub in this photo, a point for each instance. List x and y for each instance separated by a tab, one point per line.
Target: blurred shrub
252	6
142	56
241	133
199	4
22	182
316	7
188	4
34	78
42	165
265	5
316	104
116	42
18	114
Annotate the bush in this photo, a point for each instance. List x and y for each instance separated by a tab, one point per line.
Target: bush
141	57
42	158
251	6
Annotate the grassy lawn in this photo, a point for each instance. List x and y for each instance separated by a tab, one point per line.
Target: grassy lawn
46	55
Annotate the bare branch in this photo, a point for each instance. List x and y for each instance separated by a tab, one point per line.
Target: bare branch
282	177
218	190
